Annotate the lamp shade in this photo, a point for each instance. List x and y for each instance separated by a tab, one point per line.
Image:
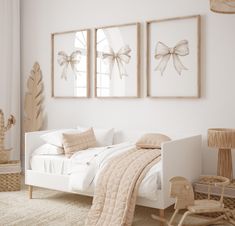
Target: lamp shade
222	6
221	138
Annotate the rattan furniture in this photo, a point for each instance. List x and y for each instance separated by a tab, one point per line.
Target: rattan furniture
182	191
10	178
224	140
201	190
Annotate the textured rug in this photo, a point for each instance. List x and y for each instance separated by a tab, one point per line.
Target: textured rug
53	208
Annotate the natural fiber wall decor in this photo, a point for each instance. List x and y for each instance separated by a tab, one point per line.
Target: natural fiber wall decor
33	100
4	153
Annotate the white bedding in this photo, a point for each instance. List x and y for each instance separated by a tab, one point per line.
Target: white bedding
84	167
54	164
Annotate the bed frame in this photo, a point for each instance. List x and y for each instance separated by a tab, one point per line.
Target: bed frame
180	157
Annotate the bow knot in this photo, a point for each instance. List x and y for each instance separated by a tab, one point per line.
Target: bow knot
121	58
172	50
64	60
163	52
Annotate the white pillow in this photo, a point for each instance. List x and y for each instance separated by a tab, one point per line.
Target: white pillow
56	138
48	149
104	137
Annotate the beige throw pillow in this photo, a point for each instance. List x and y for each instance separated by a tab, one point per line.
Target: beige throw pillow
74	142
152	140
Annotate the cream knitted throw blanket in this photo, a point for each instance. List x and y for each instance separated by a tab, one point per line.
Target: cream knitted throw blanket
117	187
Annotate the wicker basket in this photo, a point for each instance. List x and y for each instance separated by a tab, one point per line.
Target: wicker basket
10	179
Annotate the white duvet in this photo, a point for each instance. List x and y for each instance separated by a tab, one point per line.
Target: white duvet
86	166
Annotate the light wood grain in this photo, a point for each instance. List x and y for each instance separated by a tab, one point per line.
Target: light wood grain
30	191
161	215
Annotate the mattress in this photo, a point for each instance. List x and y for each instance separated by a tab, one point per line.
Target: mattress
84	168
53	164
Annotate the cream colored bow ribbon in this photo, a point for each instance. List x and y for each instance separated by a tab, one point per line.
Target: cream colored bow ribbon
163	52
64	60
122	57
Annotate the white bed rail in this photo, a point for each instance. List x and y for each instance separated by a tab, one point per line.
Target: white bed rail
32	141
180	157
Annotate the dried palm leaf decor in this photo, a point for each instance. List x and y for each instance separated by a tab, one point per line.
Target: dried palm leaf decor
33	100
222	6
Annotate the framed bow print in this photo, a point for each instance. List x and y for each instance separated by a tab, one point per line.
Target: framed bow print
173	57
117	61
70	64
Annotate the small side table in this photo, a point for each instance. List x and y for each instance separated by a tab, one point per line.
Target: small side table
201	192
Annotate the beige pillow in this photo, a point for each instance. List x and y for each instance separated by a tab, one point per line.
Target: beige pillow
74	142
152	140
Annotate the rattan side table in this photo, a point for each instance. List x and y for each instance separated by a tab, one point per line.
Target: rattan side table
10	178
201	191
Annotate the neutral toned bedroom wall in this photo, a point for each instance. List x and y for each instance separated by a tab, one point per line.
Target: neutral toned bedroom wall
216	107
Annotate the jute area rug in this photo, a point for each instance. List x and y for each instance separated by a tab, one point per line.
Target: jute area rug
53	208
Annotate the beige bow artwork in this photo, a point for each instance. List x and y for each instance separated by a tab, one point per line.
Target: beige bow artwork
121	58
73	60
163	53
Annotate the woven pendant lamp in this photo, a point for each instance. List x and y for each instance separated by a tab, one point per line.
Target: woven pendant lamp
222	6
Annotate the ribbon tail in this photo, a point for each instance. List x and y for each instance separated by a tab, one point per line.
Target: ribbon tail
64	72
110	68
163	63
74	70
178	64
121	68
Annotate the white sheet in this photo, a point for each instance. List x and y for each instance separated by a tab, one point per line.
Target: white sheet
54	164
87	165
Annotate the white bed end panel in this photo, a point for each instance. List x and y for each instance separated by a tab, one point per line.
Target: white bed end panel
32	141
50	181
181	157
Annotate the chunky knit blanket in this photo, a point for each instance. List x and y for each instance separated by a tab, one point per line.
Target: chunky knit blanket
117	187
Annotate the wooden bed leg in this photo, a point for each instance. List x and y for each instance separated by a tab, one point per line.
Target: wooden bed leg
161	215
30	191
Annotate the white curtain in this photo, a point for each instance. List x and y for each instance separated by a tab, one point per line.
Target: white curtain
10	70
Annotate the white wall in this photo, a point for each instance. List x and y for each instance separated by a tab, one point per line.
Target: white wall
10	71
216	108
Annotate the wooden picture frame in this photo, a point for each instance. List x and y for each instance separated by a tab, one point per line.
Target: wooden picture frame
117	61
173	57
71	64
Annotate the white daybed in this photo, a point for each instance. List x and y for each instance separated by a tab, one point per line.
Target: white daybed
180	157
